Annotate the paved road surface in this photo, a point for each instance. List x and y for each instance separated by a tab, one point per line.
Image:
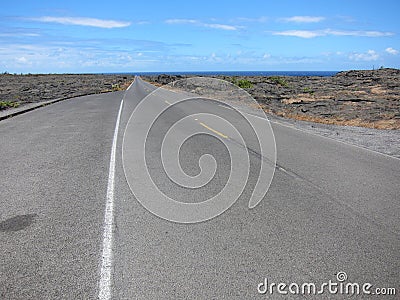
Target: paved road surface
331	207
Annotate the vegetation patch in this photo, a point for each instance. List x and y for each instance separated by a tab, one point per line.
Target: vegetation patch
8	104
242	83
278	80
308	90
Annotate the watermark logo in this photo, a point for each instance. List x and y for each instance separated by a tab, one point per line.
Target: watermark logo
340	286
192	147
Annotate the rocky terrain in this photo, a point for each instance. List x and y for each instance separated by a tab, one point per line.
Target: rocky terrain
18	90
369	98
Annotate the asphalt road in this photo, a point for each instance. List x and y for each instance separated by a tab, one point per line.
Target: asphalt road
331	208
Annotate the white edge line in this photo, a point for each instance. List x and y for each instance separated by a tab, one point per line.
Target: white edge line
224	106
327	137
107	255
131	84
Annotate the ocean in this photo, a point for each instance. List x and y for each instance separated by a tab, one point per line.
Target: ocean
244	73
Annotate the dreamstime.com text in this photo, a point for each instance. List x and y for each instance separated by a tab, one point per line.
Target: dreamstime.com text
339	287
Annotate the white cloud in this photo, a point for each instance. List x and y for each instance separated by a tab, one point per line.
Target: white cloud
198	23
358	33
214	58
306	34
252	20
221	26
181	21
19	34
370	55
83	22
51	58
22	59
329	32
392	51
266	55
304	19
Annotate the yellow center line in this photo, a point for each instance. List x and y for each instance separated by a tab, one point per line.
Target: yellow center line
167	102
213	130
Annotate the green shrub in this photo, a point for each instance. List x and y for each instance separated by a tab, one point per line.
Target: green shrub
308	90
278	80
242	83
115	87
8	104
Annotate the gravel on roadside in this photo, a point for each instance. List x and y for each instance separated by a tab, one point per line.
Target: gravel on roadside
379	140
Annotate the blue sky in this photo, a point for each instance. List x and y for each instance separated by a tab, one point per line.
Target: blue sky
136	36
